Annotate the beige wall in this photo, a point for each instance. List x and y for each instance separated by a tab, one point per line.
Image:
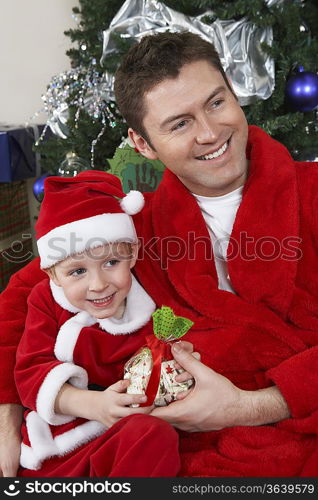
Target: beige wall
32	50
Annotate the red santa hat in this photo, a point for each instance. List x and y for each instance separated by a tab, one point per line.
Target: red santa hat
82	212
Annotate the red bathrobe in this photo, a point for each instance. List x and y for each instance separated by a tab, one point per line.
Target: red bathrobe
265	334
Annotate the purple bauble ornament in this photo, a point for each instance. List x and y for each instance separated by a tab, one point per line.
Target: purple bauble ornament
302	90
38	187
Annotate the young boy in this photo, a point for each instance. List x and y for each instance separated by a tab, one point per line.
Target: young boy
82	326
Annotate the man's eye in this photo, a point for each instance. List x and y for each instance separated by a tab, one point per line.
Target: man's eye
78	272
216	104
180	125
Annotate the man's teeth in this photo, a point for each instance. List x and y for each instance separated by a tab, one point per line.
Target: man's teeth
217	153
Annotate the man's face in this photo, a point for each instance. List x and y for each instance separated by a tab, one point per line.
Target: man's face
197	129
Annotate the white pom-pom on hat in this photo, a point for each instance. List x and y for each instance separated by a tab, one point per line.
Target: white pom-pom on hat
133	202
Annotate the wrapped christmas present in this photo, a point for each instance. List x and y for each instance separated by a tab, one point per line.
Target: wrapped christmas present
151	370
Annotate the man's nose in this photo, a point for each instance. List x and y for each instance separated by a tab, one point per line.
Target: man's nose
206	132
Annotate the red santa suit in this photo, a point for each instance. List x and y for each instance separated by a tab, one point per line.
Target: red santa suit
263	334
63	344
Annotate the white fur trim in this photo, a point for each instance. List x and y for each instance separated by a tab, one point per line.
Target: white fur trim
133	202
51	385
77	236
138	311
28	459
43	445
72	439
40	435
68	334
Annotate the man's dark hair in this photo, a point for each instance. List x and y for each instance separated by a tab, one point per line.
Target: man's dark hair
152	60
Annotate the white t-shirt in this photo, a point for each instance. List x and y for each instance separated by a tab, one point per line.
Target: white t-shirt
219	213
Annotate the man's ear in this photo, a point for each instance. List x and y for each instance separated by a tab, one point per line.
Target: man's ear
142	145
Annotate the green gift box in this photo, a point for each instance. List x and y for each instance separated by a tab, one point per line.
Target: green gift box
135	171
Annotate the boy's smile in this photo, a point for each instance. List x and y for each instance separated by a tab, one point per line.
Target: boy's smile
102	302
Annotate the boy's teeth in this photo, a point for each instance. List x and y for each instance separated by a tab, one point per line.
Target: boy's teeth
98	301
217	153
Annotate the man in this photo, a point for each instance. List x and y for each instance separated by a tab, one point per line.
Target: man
229	241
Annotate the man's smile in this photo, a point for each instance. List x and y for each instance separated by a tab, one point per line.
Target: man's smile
215	153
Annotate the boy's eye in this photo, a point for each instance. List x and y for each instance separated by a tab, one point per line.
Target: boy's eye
78	272
111	263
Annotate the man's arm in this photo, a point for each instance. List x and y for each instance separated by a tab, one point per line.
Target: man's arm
215	402
10	439
13	309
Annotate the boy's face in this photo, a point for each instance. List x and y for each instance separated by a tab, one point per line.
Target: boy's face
98	280
197	129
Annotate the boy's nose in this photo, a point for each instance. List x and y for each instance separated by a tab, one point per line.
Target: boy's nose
97	283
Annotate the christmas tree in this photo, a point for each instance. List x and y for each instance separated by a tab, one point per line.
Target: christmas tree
90	127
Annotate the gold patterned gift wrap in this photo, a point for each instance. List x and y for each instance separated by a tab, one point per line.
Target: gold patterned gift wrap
151	370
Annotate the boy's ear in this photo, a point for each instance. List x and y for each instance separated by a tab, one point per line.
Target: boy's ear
52	275
142	145
134	250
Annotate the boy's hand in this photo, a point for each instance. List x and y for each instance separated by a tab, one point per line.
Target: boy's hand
114	403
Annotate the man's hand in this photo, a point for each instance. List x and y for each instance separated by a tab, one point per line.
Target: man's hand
10	439
185	376
215	403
